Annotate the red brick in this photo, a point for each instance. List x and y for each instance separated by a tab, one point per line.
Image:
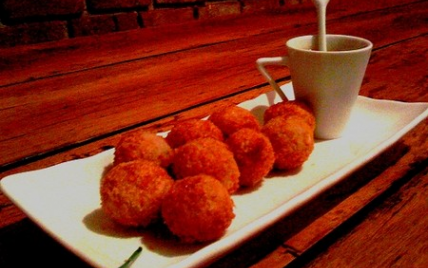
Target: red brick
257	5
19	9
93	25
117	4
32	33
52	16
178	1
219	9
164	16
127	21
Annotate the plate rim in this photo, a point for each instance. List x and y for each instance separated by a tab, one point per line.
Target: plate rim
222	246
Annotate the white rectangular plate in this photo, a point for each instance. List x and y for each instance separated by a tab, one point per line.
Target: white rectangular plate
64	199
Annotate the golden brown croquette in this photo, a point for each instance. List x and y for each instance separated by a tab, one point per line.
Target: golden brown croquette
253	153
291	108
198	209
292	140
192	129
132	192
207	156
143	145
233	118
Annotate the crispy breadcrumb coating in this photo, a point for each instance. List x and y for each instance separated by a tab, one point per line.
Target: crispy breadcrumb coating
254	154
291	108
198	209
143	145
207	156
192	129
132	192
292	140
233	118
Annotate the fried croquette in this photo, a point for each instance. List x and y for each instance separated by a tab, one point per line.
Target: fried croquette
233	118
292	140
192	129
132	192
198	209
207	156
143	145
253	153
290	108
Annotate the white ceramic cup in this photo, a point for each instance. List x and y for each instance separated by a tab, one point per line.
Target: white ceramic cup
329	81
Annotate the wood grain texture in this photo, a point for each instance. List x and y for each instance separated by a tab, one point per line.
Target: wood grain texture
60	106
94	102
390	236
392	169
66	56
299	237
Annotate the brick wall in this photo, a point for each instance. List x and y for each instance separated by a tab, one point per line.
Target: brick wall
29	21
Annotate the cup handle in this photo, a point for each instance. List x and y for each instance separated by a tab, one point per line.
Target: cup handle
261	62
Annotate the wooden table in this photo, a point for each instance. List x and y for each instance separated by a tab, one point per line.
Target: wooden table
74	98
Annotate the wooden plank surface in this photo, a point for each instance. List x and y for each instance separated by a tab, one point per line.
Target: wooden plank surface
397	71
11	214
382	175
390	236
74	55
85	105
390	171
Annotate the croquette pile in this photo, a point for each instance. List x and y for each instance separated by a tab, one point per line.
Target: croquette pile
186	179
